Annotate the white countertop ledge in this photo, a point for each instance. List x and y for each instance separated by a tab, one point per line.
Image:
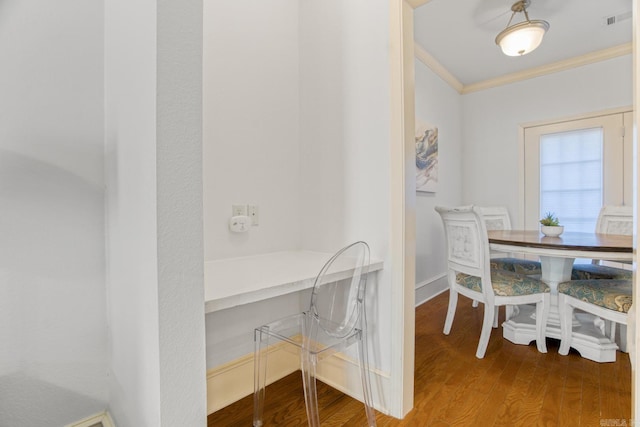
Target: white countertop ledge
235	281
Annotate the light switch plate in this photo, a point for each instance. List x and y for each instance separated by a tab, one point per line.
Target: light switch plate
253	213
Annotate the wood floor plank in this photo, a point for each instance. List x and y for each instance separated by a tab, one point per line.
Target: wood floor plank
611	406
513	385
624	368
488	411
591	392
550	410
516	408
571	407
533	389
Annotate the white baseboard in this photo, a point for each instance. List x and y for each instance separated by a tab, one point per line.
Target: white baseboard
232	381
343	374
431	288
102	417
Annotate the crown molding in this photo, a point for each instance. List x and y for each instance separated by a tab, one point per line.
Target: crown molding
578	61
417	3
428	60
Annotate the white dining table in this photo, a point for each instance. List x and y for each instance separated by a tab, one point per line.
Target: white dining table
557	255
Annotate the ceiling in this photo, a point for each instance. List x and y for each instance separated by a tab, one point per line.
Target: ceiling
460	34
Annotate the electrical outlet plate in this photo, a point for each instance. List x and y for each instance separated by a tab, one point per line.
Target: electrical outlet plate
239	224
237	210
253	213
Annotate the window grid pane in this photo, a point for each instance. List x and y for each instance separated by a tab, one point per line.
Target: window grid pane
571	171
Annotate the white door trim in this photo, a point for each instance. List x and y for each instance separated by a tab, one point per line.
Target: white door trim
403	193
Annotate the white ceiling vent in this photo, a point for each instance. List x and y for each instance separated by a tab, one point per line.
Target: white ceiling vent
614	19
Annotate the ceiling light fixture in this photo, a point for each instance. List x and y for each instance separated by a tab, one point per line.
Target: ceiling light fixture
524	37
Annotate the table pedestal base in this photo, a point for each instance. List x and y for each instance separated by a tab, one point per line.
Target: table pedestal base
587	339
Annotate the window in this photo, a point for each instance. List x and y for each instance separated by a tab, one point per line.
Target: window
571	177
574	167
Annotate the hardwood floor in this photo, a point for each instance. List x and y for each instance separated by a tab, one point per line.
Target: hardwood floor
512	386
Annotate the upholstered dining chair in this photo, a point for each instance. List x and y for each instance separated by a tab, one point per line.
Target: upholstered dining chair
335	320
608	299
470	275
611	220
497	218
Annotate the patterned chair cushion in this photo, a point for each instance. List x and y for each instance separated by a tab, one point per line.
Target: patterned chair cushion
516	265
595	271
612	294
505	283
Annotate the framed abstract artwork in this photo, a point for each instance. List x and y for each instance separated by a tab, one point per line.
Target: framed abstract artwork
426	157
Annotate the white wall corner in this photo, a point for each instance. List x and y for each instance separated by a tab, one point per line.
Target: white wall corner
103	417
417	3
343	374
427	59
430	288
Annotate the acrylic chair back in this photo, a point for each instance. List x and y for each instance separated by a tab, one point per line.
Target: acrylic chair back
467	245
335	320
339	289
615	220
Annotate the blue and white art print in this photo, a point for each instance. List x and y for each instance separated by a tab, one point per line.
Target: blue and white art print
426	157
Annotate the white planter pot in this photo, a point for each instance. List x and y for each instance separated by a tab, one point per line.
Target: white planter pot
552	230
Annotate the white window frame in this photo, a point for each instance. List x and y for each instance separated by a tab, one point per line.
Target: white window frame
618	187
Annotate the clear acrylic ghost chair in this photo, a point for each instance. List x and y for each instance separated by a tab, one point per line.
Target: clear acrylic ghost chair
469	274
335	320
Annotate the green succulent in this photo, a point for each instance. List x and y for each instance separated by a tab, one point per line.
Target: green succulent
550	219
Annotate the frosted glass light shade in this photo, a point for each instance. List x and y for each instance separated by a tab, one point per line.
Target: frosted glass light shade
522	38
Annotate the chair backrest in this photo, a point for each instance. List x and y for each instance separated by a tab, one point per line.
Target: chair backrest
496	217
615	220
337	299
467	244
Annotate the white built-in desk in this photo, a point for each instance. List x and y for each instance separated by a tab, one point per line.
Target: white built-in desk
235	281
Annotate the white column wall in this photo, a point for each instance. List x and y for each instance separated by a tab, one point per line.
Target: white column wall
440	105
52	275
132	260
180	214
154	252
491	120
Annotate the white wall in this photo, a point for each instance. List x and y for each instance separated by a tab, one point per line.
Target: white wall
153	78
297	113
440	105
344	140
251	134
130	81
250	150
491	119
52	285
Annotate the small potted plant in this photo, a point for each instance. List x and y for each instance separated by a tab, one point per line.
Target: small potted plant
551	225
